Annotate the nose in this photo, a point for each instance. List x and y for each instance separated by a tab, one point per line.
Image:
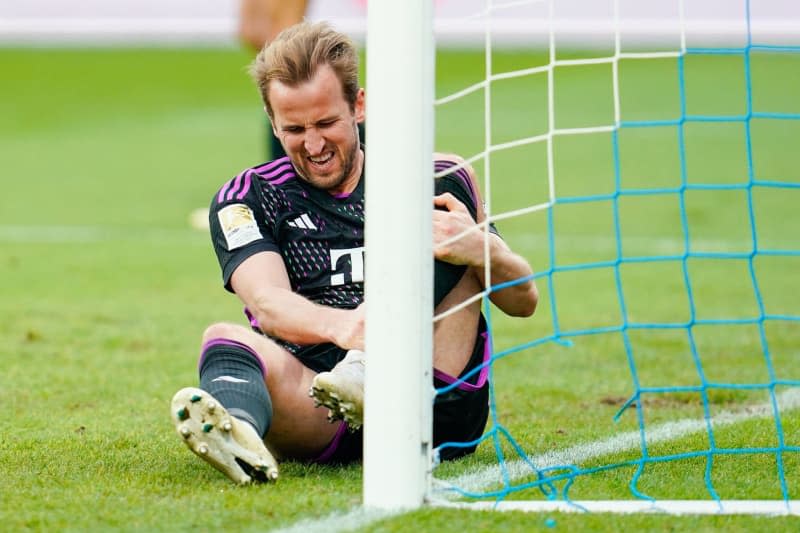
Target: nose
314	142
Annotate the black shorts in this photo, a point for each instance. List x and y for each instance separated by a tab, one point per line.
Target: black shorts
459	415
460	411
320	357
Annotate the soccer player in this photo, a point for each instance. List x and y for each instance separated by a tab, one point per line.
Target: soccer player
260	21
289	238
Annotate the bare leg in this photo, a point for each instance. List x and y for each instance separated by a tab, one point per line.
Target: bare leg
454	336
298	429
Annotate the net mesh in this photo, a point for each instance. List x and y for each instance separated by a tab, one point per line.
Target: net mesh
687	192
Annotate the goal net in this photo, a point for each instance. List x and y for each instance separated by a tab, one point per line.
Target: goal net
643	157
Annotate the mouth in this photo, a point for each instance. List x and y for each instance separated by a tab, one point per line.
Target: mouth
321	160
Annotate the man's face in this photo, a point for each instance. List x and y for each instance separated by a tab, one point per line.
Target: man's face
319	131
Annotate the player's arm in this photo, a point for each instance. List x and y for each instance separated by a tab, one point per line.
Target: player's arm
261	282
453	218
519	299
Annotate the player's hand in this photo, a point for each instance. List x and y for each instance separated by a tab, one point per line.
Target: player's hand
450	221
351	332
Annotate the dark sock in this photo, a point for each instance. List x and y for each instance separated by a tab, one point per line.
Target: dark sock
234	375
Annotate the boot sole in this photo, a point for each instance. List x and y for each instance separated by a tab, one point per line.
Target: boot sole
326	393
208	431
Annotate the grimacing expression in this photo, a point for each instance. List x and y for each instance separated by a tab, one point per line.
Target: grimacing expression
318	130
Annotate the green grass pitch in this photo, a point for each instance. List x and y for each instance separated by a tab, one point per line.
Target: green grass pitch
106	289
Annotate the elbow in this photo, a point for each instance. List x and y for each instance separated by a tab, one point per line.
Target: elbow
529	301
261	316
521	303
264	324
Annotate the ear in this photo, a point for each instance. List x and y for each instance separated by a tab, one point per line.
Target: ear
271	122
360	107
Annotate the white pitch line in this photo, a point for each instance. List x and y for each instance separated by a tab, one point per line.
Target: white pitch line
359	517
479	480
53	234
673	507
583	243
94	234
355	518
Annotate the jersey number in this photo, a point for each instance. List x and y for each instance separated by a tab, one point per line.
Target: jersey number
356	262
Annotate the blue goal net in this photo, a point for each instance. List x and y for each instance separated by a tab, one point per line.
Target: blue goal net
657	202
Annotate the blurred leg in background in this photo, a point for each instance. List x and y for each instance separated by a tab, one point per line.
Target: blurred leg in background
259	22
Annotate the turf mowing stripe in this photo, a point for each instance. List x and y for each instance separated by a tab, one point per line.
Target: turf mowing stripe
359	517
95	234
88	234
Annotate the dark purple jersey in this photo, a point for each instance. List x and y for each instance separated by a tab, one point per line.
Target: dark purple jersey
319	236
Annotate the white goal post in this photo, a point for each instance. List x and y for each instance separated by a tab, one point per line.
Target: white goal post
399	269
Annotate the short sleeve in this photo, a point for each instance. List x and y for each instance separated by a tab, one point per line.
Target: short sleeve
238	224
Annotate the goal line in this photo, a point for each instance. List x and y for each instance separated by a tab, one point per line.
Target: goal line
673	507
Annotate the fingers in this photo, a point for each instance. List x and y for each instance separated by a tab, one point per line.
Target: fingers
449	202
355	337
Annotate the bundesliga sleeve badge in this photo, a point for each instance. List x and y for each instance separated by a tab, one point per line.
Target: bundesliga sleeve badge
238	225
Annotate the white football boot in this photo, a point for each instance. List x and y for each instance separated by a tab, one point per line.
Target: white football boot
230	445
342	390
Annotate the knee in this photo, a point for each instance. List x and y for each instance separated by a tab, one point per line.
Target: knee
455	159
223	330
227	337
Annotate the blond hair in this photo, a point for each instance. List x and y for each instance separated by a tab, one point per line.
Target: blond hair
298	52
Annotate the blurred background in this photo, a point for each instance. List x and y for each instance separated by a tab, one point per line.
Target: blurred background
457	21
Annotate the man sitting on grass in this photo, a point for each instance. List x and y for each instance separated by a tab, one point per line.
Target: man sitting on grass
289	238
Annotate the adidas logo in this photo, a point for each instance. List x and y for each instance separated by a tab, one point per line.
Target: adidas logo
302	222
230	379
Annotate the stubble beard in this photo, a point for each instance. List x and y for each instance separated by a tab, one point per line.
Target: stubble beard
348	163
